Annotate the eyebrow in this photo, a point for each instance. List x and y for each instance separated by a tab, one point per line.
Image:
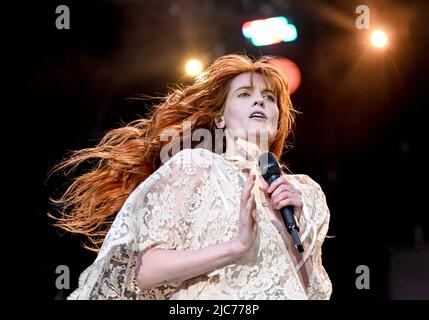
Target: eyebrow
248	87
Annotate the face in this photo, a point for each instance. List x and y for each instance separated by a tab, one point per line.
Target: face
250	110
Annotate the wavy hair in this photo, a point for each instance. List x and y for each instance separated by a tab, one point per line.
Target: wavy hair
126	156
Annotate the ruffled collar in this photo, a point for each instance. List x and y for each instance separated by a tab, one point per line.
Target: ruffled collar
244	153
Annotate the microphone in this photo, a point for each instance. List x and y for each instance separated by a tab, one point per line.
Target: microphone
270	171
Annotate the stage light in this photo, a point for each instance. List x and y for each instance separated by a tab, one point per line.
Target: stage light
193	67
290	70
378	39
269	31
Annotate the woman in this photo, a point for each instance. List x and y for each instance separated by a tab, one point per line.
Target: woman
189	223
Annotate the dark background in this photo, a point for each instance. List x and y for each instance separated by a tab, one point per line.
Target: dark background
361	134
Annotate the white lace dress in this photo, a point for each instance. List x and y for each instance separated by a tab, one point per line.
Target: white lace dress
191	202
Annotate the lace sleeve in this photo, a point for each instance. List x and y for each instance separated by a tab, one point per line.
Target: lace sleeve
314	224
156	214
316	212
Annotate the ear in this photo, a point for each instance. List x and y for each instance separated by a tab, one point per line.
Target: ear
220	122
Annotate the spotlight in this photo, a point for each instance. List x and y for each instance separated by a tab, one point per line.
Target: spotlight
193	67
378	39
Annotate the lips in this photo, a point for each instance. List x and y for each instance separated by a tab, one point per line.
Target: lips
258	115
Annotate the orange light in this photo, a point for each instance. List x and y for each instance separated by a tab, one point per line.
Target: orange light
378	39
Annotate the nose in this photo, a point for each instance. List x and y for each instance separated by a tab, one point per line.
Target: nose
259	102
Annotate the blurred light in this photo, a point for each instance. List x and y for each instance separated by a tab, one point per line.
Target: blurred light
290	70
269	31
378	39
193	67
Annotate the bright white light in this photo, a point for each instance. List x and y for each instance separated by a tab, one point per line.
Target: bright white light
193	67
378	39
269	31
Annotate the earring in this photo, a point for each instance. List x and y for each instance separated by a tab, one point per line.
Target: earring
220	120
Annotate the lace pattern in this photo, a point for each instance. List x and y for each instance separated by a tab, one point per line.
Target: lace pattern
191	202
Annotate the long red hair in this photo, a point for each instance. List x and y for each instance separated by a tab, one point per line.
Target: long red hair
126	156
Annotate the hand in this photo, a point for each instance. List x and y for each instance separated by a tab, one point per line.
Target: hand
282	193
248	224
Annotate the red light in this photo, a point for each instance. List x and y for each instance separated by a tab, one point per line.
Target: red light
290	70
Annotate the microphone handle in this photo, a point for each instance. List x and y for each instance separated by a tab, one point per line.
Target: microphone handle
289	220
292	228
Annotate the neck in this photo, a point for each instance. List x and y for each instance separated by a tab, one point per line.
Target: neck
249	147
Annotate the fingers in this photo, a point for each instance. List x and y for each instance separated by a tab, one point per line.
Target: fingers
252	209
248	188
283	196
248	223
264	186
247	197
281	181
285	188
251	203
275	184
283	193
289	202
248	216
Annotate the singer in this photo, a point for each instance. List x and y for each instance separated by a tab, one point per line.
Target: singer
171	217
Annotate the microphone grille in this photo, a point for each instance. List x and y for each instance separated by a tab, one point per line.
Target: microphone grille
269	165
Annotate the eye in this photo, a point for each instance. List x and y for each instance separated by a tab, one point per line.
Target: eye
270	97
243	94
